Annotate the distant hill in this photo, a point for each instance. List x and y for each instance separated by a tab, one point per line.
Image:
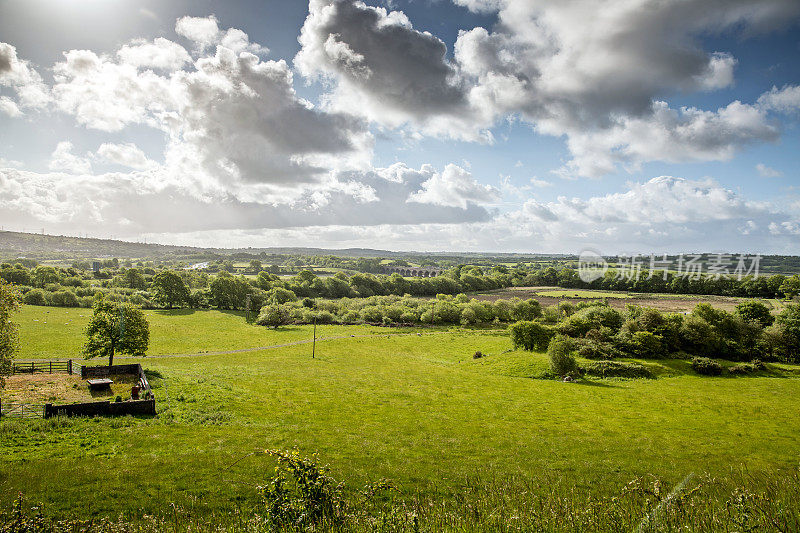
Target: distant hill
43	247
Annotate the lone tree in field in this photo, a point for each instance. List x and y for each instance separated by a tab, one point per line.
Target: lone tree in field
9	339
116	327
169	289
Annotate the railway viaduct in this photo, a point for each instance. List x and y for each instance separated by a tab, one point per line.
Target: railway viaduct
414	272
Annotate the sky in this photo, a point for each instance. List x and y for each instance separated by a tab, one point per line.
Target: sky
624	126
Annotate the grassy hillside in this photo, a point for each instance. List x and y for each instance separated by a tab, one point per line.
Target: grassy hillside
418	410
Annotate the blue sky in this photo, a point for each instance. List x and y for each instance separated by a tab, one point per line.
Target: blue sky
480	125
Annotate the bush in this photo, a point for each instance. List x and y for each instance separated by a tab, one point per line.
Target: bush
530	335
592	349
35	297
747	368
559	350
477	355
608	369
706	366
64	299
274	316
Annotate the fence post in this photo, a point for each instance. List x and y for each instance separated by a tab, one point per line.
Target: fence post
69	367
51	367
32	367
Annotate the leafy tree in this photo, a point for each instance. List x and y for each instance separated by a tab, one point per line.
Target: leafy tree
116	327
280	296
560	353
530	335
169	290
757	311
35	297
229	292
790	287
273	315
44	275
789	320
133	279
9	339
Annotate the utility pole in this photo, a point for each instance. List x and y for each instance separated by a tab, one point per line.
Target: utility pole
314	345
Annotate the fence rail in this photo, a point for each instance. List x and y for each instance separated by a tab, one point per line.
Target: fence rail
21	410
45	367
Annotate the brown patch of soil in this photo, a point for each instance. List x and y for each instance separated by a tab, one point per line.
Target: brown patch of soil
662	302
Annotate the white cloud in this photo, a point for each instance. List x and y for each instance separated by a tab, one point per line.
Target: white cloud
19	76
592	71
785	100
150	201
160	54
63	160
235	123
767	172
536	182
454	187
107	95
128	155
670	135
204	32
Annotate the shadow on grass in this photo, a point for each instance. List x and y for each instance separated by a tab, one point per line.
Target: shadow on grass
175	312
593	383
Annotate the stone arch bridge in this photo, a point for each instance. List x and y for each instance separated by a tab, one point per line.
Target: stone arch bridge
414	272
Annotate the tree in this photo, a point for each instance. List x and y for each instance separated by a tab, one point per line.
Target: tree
530	335
133	279
116	327
560	353
229	292
255	266
169	290
757	311
273	315
9	339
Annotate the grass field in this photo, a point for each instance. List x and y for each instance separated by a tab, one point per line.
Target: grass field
582	293
58	333
418	410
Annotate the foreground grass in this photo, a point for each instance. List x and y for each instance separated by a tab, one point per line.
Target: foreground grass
450	431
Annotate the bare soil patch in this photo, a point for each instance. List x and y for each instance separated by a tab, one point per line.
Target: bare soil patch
676	303
60	388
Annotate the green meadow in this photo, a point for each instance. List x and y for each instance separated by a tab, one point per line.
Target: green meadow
416	409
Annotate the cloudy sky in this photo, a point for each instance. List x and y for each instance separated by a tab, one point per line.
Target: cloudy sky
477	125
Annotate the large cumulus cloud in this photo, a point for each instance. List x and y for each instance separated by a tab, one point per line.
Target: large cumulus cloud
596	72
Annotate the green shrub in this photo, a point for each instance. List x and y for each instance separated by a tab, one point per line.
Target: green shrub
35	297
64	299
559	350
608	369
747	368
592	349
706	366
273	316
530	335
301	494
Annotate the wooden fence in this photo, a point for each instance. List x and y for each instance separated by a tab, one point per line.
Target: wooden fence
21	410
45	367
